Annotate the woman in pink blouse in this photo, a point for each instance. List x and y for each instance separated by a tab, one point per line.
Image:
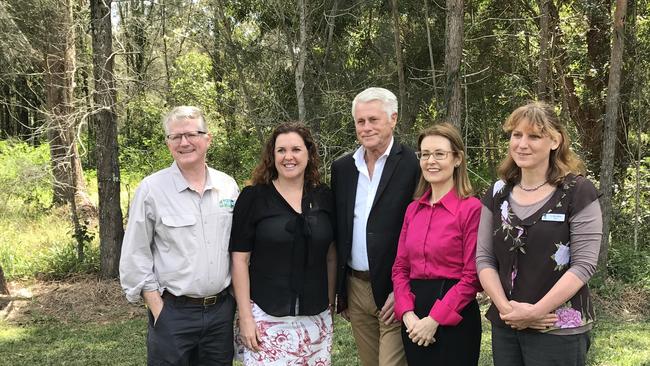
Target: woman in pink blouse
434	275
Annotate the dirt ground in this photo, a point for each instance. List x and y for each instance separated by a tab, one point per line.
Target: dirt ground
88	299
77	299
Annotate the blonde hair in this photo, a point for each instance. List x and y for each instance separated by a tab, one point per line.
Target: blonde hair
461	179
562	160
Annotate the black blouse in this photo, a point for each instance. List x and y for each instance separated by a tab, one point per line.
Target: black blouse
288	250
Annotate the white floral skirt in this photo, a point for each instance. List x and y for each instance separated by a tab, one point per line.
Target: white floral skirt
289	340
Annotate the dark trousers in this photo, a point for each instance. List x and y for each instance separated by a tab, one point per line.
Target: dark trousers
517	348
455	345
191	334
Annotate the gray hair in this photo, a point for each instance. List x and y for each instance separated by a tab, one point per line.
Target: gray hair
184	112
385	96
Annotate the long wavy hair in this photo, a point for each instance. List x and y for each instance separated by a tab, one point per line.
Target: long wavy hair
461	179
542	117
265	172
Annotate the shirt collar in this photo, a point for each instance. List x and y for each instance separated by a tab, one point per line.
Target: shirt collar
450	201
181	183
361	151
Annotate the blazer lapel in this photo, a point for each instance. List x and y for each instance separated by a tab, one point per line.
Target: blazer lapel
352	179
391	163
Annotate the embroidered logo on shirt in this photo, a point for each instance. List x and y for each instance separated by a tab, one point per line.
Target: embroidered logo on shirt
227	203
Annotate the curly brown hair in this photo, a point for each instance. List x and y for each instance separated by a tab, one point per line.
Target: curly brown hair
265	172
562	160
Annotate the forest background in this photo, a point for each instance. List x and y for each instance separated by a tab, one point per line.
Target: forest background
84	84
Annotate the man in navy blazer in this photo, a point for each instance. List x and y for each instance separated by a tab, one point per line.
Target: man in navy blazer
372	188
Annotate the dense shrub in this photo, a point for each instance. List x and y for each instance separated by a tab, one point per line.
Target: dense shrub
25	180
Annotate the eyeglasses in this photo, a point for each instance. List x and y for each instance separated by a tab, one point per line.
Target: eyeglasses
192	136
437	155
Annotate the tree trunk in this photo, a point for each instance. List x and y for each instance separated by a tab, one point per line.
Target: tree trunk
4	289
453	55
587	110
108	170
399	63
609	133
331	22
430	47
544	71
301	59
59	85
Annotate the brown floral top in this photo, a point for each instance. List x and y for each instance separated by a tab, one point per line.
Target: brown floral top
532	254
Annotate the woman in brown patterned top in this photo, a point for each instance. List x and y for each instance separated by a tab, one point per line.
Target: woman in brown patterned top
538	245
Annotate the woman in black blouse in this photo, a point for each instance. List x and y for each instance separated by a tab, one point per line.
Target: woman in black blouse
283	258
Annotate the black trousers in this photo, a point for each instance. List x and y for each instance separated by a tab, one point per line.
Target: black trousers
518	348
455	345
190	334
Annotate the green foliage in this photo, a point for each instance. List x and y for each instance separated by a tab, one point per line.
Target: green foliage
629	264
60	260
49	260
142	144
41	245
236	154
192	82
24	177
630	261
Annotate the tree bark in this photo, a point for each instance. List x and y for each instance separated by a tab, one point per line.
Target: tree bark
587	110
301	59
108	171
399	64
453	56
544	77
59	85
430	48
4	289
609	133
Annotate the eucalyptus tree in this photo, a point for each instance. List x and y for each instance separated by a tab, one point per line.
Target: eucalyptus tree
108	170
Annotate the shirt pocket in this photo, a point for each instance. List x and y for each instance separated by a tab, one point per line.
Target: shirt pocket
222	221
178	233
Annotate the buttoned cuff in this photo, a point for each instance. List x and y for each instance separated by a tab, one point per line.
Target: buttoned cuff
444	315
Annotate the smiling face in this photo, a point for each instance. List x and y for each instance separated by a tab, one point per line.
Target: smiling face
530	148
438	172
373	126
188	154
290	156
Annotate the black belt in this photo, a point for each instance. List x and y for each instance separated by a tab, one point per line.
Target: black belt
205	301
362	275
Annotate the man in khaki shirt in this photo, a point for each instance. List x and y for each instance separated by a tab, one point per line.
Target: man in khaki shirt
175	250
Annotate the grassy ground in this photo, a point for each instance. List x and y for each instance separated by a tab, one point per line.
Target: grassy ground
83	321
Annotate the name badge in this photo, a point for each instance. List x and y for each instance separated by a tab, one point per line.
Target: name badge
227	203
553	217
